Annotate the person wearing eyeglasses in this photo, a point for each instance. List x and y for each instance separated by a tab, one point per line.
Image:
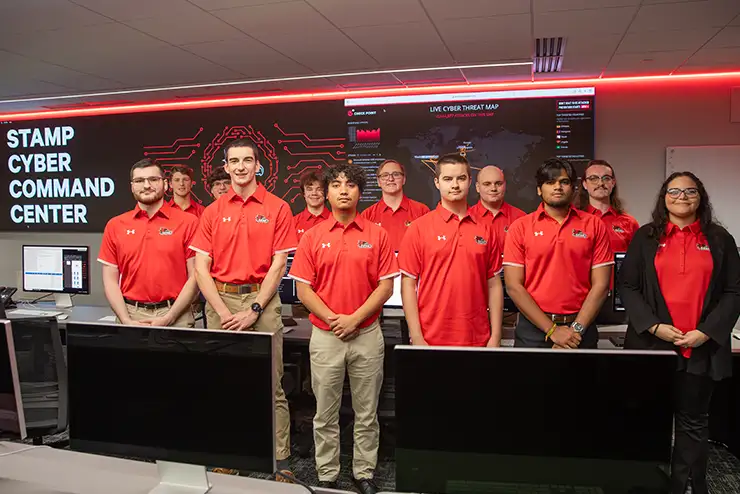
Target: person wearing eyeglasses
394	211
218	182
599	196
491	187
680	284
316	211
147	265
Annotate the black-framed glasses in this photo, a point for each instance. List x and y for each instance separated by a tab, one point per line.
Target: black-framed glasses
594	179
690	192
386	176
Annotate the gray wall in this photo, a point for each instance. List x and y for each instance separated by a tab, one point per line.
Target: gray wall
635	122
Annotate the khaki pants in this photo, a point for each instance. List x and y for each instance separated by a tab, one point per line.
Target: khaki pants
186	319
269	322
362	358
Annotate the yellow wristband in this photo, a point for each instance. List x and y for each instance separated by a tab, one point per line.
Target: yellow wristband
552	330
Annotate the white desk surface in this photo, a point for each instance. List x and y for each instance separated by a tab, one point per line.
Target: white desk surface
43	470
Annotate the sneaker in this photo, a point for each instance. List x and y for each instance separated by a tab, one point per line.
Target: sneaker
226	471
286	476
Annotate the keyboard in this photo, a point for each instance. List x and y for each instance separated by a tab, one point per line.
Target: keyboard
34	313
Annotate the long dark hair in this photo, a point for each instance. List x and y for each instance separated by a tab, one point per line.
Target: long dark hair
660	213
614	201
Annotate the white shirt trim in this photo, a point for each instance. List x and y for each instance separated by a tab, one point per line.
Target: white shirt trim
408	274
107	263
388	276
602	264
300	279
199	251
512	264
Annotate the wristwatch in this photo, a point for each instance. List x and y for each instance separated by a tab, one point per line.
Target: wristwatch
577	327
257	308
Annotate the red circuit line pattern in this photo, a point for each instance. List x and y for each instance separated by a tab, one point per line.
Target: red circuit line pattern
324	139
170	155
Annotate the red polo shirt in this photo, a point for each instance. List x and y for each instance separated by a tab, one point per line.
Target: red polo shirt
397	222
558	259
150	253
684	267
195	208
241	237
304	220
344	265
621	227
501	222
451	260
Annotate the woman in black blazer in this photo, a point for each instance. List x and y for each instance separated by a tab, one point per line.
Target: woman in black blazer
681	288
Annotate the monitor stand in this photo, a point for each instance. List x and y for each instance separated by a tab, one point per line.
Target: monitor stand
63	300
181	478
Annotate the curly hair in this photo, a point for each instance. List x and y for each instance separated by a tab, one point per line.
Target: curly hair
354	174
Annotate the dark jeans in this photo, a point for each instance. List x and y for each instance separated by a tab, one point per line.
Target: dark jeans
527	335
692	396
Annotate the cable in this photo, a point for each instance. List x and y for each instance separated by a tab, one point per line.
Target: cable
40	298
291	478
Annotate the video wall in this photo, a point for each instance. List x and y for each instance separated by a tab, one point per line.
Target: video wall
73	174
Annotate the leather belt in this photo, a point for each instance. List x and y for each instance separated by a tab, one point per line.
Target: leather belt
561	318
238	289
150	305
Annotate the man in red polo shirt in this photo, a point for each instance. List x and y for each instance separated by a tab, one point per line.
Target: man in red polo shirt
394	211
182	187
599	196
557	265
242	246
315	212
491	208
147	266
451	288
344	268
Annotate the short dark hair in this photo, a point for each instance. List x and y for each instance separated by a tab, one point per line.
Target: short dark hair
614	201
704	213
242	143
452	159
185	170
145	163
217	174
309	178
354	174
550	170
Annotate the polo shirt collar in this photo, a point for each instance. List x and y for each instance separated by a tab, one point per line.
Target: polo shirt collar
172	203
258	195
447	215
324	214
404	203
694	228
165	211
571	212
358	222
505	209
593	210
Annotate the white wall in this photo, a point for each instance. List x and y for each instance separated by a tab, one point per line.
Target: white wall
635	122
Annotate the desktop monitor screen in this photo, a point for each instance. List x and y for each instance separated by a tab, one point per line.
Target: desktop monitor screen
508	420
616	297
182	395
12	420
56	269
287	288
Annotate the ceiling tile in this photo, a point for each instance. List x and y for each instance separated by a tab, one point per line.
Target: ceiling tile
353	13
488	39
230	4
322	51
716	56
452	76
600	21
26	68
277	18
492	74
22	88
653	63
197	27
128	10
577	46
685	15
683	39
726	38
366	81
557	5
24	16
470	9
248	57
402	45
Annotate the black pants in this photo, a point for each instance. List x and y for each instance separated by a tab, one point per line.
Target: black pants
692	396
527	335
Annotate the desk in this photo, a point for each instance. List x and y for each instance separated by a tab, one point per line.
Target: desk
81	313
43	470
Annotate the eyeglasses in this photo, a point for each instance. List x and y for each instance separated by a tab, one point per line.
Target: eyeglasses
386	176
594	179
151	180
675	192
221	183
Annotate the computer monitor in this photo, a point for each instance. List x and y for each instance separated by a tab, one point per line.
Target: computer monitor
58	269
287	288
12	418
177	396
511	420
617	305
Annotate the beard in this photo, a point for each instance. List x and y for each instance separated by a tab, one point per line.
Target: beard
560	202
150	198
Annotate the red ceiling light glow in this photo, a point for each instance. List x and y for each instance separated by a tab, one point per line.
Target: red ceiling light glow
352	93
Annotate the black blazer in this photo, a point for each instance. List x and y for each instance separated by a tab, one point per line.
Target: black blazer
646	306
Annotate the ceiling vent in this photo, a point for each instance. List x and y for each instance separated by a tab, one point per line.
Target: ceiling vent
548	55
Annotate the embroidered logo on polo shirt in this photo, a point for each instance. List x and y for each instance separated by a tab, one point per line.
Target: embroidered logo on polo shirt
441	237
130	232
364	245
579	234
165	231
408	223
506	228
261	219
617	229
226	218
539	234
326	245
301	230
661	245
704	247
480	240
378	224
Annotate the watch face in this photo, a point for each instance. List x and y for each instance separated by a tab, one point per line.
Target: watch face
256	307
578	328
